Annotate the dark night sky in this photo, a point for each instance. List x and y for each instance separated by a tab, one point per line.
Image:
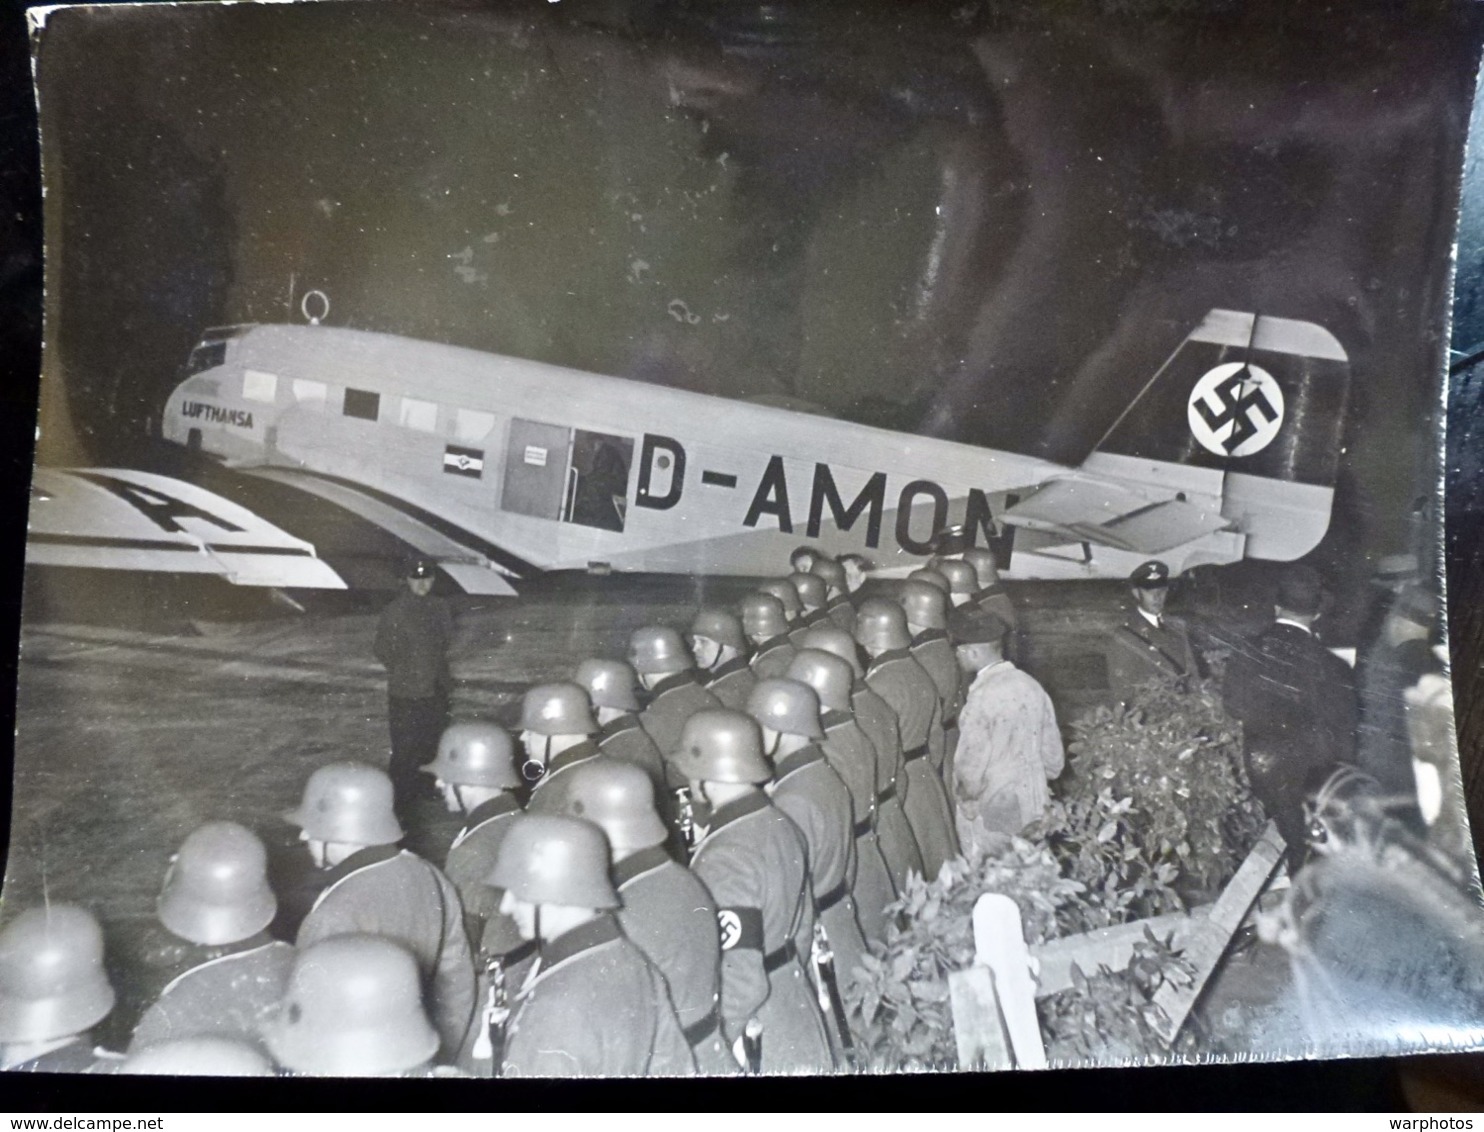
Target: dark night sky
976	225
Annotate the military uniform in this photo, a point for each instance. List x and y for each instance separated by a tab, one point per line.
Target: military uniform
732	683
754	863
228	992
807	621
548	794
904	684
669	915
1140	651
853	757
412	641
808	790
893	831
673	700
772	657
932	650
625	739
594	1007
996	599
386	891
77	1056
842	612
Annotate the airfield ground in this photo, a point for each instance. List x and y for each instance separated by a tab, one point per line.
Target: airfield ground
129	739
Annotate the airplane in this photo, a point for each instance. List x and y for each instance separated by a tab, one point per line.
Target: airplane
500	468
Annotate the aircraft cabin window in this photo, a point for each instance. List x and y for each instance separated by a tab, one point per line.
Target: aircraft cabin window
471	426
310	394
259	386
362	404
421	415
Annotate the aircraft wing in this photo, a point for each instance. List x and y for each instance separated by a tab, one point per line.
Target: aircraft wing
120	519
472	571
1108	513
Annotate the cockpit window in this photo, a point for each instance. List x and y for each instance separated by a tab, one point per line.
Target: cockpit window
206	356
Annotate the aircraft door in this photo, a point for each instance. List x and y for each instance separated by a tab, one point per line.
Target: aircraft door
536	469
598	480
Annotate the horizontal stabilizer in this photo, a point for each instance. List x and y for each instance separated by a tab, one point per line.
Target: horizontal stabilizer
1115	515
473	572
120	519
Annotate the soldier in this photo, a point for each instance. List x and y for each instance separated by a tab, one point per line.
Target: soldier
412	641
787	594
595	1006
754	862
668	671
879	722
766	626
610	688
1148	645
894	674
1297	704
720	649
353	1008
803	559
850	753
927	575
557	731
53	991
475	770
963	582
837	604
1010	746
369	885
814	596
807	789
223	975
200	1057
926	609
991	595
666	911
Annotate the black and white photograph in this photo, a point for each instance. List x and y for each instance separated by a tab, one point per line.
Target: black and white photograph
673	538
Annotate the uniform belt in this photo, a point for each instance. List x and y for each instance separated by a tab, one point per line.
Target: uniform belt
888	794
698	1032
831	898
862	828
780	958
915	753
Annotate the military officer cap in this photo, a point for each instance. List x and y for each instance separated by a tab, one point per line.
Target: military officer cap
952	540
1152	575
974	626
1300	590
420	568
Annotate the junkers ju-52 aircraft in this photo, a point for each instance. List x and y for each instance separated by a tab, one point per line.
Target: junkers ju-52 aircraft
500	468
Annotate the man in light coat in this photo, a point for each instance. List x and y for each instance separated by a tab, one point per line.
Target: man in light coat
1009	745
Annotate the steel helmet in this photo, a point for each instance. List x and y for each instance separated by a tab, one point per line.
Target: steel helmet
657	650
984	564
786	593
924	605
554	859
961	576
952	540
718	745
763	616
609	683
476	753
617	797
829	676
811	588
561	708
831	572
787	706
931	576
831	639
52	983
349	803
719	625
353	1008
200	1057
881	625
216	890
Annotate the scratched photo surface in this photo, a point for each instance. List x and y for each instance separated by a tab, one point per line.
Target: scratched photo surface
407	365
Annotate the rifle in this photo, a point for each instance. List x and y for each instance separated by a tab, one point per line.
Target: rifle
823	958
489	1044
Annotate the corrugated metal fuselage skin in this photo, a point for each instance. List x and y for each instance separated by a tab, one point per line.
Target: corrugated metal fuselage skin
486	443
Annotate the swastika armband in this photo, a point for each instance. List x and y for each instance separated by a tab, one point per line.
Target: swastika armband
741	928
